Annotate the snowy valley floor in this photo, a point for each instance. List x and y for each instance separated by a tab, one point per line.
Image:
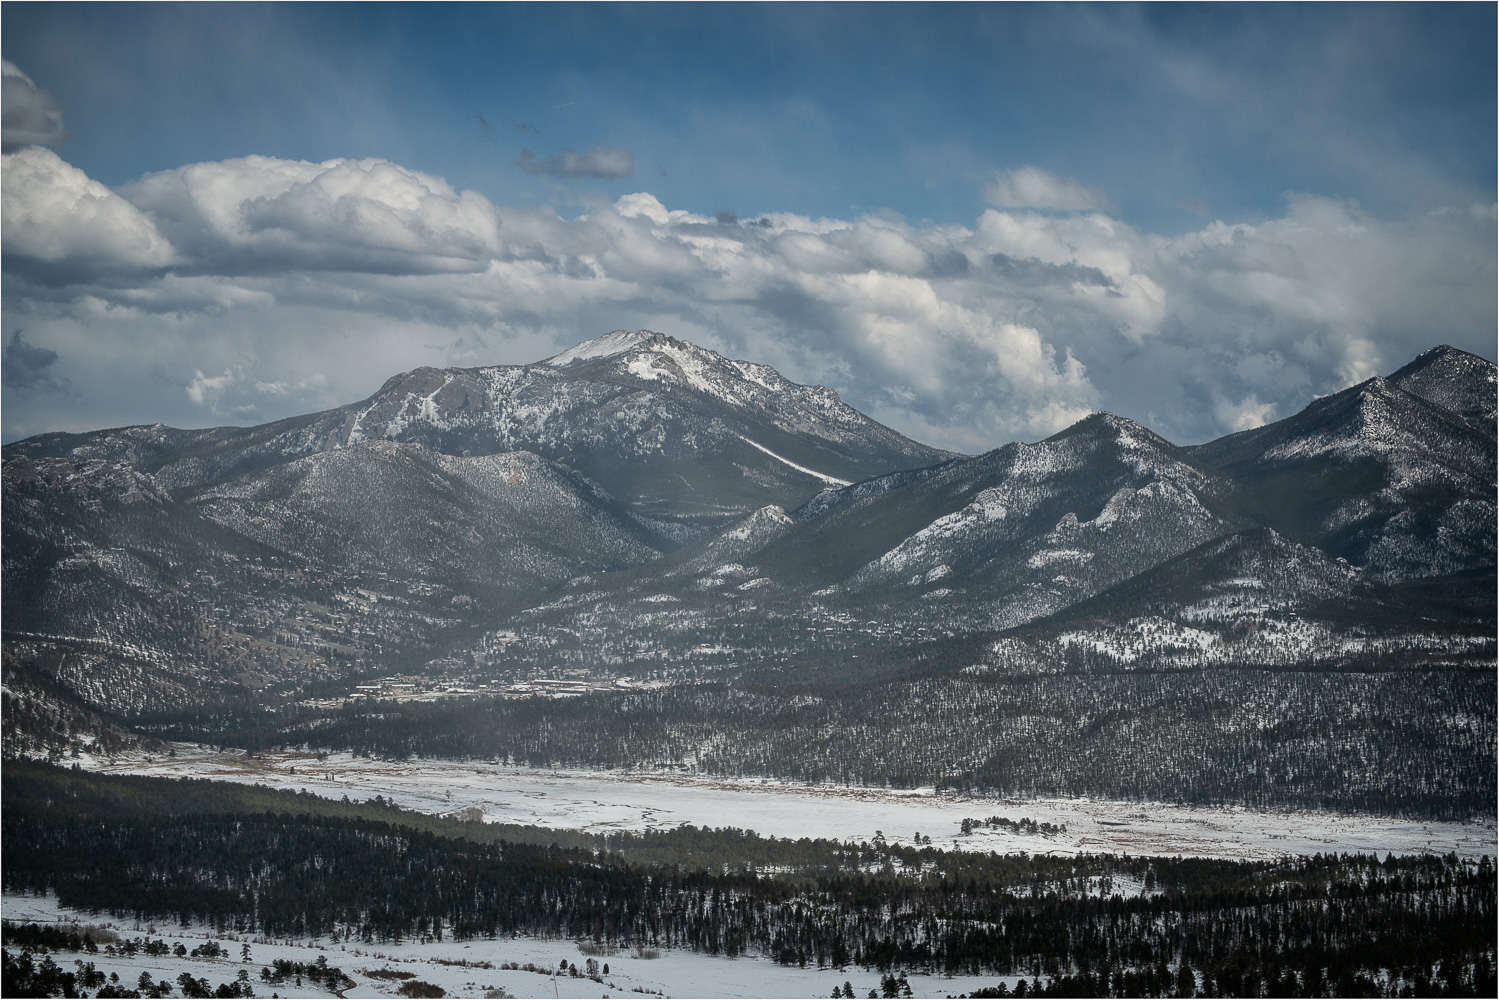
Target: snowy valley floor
601	801
674	973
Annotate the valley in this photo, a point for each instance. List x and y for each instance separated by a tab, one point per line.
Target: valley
640	648
471	968
602	802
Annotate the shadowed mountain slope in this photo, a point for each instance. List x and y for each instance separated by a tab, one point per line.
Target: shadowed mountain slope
680	434
1379	475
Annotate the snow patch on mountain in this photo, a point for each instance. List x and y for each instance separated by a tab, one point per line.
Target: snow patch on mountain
799	468
610	344
758	525
739	541
832	497
1140	636
936	573
983	510
762	375
1047	557
644	367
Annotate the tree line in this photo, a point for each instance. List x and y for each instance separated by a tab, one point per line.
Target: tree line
1416	743
1344	924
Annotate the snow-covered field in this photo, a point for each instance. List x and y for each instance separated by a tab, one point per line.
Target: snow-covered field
602	801
673	973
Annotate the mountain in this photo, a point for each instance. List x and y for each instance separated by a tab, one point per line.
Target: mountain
491	528
971	544
1455	380
1017	532
1255	598
42	719
1033	532
292	573
688	440
1255	571
639	505
1383	475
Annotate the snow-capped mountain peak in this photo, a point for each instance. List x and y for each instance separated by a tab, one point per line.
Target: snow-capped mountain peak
607	346
675	431
666	362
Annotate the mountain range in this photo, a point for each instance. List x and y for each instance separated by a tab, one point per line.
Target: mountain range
643	506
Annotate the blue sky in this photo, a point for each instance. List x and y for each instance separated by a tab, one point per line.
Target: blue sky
1095	137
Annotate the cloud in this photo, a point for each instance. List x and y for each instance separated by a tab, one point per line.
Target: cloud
290	286
1032	187
28	367
597	161
1244	414
264	215
1034	273
313	381
205	390
209	391
29	116
59	225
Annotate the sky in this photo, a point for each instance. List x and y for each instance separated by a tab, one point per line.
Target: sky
977	222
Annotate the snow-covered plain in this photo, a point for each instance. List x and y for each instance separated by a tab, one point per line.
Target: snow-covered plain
601	801
672	973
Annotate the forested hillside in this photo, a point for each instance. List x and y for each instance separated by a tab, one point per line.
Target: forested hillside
772	584
1096	925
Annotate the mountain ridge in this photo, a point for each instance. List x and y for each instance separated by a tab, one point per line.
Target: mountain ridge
681	513
625	410
1376	474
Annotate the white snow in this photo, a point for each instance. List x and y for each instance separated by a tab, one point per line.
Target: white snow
601	800
762	375
984	509
606	346
769	517
1048	556
799	468
673	973
641	367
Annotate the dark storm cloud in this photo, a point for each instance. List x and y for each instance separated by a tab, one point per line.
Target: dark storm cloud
30	116
598	161
27	366
1033	272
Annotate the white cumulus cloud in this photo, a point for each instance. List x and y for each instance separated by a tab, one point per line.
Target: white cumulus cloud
307	285
205	390
56	219
1032	187
260	214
